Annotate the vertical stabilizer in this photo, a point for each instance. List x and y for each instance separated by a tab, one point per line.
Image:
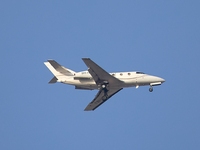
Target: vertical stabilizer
59	71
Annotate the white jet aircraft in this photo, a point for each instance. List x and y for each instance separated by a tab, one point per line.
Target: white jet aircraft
108	84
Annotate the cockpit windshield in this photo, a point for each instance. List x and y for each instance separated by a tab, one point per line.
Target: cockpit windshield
139	73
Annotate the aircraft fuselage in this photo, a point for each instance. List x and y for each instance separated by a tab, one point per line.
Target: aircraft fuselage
129	79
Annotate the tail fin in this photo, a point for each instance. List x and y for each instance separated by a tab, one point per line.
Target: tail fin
59	71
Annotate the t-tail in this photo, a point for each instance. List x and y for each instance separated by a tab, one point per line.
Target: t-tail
59	71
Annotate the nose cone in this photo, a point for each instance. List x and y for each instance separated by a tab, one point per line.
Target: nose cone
158	79
162	80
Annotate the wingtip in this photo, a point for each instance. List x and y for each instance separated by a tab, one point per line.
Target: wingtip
86	109
50	60
85	58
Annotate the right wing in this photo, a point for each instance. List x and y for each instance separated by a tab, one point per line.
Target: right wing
100	98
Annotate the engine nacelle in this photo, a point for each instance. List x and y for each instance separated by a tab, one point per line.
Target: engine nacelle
82	75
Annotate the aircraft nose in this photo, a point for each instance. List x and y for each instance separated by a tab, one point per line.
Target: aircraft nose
162	80
158	79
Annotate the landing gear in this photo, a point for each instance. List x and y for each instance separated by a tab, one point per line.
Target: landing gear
151	89
105	85
105	88
105	97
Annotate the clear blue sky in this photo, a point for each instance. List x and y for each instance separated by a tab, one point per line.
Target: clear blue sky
159	38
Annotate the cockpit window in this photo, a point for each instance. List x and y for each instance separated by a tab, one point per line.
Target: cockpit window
139	73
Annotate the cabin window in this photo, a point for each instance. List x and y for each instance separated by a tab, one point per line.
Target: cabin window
129	74
113	74
139	73
121	74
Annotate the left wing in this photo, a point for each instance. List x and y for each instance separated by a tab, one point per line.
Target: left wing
100	98
100	75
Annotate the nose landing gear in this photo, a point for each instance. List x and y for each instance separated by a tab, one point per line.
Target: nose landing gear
151	89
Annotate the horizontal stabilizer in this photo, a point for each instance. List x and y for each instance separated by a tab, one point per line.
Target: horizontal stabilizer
53	80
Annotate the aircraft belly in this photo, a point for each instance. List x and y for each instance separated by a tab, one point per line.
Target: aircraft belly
135	82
